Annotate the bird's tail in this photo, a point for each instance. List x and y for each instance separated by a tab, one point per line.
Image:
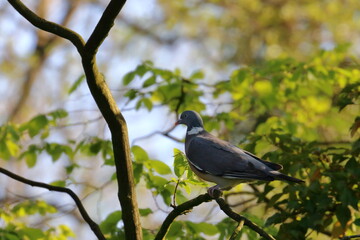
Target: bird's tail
280	176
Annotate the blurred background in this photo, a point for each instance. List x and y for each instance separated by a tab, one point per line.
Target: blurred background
38	71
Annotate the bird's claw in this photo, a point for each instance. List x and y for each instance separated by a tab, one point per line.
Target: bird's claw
215	191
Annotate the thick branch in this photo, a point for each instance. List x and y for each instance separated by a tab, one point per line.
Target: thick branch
115	120
94	227
227	210
48	26
105	102
104	25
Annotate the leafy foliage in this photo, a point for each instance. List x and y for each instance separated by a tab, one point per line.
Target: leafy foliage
294	113
15	229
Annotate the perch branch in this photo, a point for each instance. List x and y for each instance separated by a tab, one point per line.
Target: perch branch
350	237
227	210
179	210
94	227
189	205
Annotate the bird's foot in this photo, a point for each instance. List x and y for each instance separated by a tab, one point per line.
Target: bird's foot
215	191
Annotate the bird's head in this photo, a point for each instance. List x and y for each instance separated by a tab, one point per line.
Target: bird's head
190	119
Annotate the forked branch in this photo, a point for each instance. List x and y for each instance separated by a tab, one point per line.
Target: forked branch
94	227
189	205
48	26
104	101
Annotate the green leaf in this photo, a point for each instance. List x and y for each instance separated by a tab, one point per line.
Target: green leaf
30	158
197	75
76	84
32	233
110	222
138	171
70	168
145	211
141	70
54	150
128	78
10	236
159	167
36	124
140	154
274	219
147	103
60	113
131	94
357	222
59	183
343	214
206	228
176	230
150	81
12	148
180	162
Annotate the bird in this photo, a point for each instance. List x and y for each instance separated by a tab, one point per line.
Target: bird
218	161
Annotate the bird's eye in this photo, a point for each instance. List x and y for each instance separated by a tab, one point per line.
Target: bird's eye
184	116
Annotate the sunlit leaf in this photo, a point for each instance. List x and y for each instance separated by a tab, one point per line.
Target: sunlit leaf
35	125
180	162
59	183
76	84
159	167
30	158
128	78
145	211
139	153
206	228
150	81
32	233
110	222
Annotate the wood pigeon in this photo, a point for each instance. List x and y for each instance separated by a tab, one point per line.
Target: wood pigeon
218	161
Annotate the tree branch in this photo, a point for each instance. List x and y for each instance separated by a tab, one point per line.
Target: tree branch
189	205
48	26
350	237
237	230
179	210
115	120
105	102
227	210
94	227
104	25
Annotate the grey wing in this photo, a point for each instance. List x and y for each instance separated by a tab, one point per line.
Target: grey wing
271	165
219	158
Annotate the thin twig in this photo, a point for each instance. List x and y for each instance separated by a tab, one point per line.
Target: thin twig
94	227
174	195
165	133
350	237
237	230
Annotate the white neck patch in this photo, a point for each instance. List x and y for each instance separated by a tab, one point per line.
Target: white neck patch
195	130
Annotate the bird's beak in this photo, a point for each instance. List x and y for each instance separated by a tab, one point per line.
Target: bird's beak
177	122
